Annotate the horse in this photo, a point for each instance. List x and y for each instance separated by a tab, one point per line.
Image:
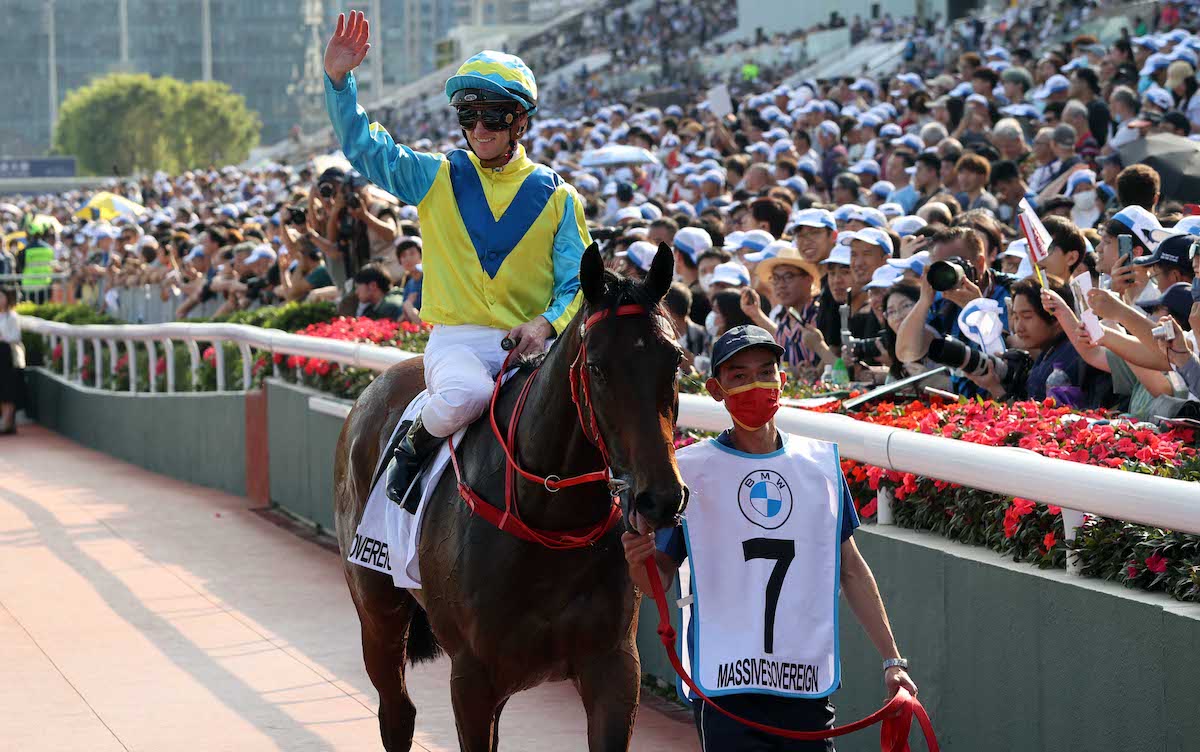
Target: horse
512	614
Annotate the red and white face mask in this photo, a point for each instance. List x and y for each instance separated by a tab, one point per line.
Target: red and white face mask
753	405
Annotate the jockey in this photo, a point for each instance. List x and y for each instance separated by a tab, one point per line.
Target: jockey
502	236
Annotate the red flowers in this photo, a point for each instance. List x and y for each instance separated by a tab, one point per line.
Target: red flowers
1012	516
1156	563
379	332
1049	541
209	356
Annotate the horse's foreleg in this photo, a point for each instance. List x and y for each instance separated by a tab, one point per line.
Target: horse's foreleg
476	704
383	655
609	686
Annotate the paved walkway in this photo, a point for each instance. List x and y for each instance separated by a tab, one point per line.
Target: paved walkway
142	613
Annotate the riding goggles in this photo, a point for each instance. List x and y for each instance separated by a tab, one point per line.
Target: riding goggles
493	118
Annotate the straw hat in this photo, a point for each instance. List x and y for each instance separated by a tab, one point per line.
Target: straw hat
788	257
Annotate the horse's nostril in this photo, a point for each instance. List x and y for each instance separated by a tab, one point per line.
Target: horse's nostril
644	502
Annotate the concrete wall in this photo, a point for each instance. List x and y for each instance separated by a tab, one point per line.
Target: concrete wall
1008	657
302	447
199	438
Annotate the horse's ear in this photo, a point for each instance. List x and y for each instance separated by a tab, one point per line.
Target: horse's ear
662	272
591	275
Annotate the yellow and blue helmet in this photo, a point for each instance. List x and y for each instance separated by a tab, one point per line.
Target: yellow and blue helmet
496	73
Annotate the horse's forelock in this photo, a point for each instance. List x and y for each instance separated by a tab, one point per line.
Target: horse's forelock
620	290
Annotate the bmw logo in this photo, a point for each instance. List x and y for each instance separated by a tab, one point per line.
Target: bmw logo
765	499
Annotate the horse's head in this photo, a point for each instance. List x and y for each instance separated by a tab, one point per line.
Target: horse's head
631	359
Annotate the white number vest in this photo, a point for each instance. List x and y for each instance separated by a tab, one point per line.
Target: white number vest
763	540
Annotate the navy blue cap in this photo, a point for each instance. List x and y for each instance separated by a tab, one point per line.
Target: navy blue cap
1177	300
739	338
1173	250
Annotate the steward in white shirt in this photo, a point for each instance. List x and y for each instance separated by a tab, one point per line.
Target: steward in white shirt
768	535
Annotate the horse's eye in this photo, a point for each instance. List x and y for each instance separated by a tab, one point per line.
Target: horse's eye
596	371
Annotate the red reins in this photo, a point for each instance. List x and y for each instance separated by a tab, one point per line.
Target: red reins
896	715
509	519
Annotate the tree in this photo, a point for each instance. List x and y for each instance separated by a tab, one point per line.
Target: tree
125	123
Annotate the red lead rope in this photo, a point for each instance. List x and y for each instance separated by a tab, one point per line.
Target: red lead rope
509	519
896	716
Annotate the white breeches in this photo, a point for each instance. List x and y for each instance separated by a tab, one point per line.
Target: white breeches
461	363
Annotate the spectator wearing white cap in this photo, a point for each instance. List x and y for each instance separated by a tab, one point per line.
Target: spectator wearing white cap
637	259
814	234
1088	208
1012	257
1129	281
877	197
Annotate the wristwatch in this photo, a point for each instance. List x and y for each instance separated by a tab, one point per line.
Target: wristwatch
895	663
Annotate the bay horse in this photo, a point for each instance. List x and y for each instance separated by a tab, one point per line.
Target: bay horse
512	614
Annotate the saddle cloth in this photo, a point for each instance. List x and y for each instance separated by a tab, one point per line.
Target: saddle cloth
387	537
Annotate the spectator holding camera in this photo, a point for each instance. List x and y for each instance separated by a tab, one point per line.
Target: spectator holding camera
357	229
308	275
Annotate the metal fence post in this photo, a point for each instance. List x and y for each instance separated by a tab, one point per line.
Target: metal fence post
246	365
98	354
194	356
131	353
883	505
1071	520
219	349
169	354
151	366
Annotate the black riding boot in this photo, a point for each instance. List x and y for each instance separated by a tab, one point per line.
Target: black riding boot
411	453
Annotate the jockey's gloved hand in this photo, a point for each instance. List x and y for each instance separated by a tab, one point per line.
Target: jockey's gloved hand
531	336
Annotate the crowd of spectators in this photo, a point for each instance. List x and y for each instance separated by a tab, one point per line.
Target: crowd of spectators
873	225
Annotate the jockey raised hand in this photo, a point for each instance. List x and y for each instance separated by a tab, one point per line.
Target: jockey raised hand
503	236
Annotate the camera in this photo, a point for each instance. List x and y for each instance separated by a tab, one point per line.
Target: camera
1164	332
949	273
1012	366
297	215
325	190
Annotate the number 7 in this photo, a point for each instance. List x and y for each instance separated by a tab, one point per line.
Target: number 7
783	552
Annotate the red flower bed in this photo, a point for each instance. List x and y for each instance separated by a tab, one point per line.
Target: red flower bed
347	382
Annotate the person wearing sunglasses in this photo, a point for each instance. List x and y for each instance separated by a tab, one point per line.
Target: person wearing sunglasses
502	236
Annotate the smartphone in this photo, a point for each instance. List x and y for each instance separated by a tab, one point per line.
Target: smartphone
1125	249
1196	290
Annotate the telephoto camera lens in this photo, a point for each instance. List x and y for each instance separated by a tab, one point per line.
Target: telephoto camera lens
944	275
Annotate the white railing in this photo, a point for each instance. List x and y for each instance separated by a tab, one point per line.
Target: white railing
1134	497
248	339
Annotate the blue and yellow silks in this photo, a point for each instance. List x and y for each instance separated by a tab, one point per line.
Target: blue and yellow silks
500	246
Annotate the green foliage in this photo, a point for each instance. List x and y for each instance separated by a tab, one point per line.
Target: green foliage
289	317
133	122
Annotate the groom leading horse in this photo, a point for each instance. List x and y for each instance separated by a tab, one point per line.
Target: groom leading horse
511	609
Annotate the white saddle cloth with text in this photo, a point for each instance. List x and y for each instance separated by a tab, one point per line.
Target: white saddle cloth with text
387	537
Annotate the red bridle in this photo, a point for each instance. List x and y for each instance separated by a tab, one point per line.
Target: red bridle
509	519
